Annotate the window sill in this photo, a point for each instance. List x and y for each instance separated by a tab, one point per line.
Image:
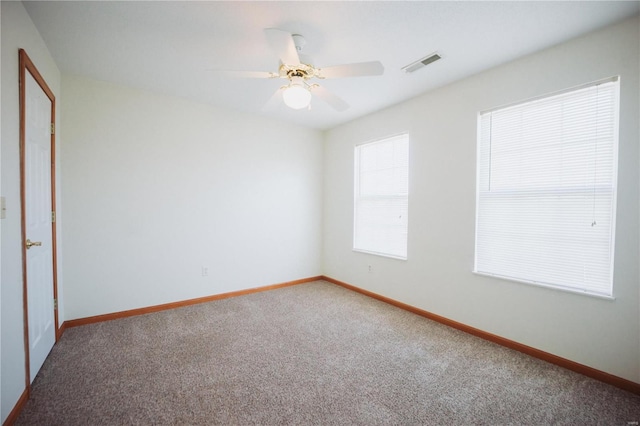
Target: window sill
548	286
390	256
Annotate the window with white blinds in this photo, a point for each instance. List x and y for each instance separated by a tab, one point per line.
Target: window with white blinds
546	190
381	197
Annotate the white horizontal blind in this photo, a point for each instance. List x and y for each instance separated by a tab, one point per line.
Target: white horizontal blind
381	197
546	190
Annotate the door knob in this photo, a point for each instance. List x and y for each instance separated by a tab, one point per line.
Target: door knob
30	243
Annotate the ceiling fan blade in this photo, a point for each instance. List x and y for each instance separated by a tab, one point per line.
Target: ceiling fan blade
334	101
245	74
274	100
359	69
283	46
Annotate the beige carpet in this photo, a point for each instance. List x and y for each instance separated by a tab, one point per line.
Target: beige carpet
309	354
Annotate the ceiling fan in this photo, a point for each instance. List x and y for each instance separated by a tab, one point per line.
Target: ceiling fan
299	72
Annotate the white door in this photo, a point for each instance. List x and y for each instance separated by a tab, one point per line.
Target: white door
38	228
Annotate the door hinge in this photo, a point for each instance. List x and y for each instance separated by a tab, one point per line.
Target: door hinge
53	129
55	304
53	217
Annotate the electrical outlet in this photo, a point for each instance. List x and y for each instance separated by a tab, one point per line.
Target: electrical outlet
370	269
205	271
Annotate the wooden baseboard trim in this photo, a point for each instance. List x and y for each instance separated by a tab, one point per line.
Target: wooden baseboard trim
13	415
61	330
180	304
536	353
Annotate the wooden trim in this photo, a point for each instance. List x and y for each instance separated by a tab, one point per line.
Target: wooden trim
13	415
61	330
54	222
528	350
180	304
26	65
23	60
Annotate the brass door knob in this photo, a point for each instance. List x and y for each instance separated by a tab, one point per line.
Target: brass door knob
30	243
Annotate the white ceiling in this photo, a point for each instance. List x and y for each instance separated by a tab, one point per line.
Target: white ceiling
172	46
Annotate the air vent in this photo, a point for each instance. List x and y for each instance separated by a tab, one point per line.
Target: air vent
421	62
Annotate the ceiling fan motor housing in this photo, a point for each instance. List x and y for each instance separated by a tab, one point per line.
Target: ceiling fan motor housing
299	70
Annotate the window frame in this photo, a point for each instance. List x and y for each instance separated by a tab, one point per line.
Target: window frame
357	197
609	295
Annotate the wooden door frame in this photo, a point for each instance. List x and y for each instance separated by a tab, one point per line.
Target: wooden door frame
26	65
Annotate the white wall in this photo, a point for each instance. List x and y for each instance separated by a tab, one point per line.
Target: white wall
17	32
437	276
157	187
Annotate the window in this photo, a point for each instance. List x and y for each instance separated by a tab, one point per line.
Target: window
546	190
381	197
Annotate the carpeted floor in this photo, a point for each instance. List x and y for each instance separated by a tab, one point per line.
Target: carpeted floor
308	354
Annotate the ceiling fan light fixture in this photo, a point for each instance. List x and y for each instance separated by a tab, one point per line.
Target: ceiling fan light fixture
296	95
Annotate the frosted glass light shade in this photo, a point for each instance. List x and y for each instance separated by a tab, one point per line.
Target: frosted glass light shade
296	96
